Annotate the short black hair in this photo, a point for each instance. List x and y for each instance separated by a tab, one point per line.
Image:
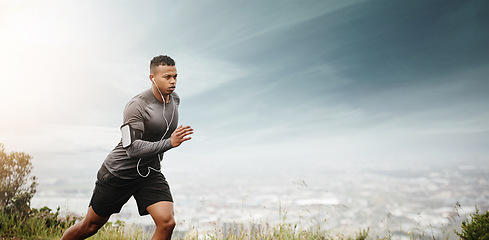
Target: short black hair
161	60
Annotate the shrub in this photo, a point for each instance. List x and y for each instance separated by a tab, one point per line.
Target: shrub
38	224
477	227
15	168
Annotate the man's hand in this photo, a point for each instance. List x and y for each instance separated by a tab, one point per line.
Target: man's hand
180	135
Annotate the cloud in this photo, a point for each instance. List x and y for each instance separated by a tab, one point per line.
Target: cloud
67	139
199	74
266	79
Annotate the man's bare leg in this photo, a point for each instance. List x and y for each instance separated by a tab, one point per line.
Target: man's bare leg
162	214
86	227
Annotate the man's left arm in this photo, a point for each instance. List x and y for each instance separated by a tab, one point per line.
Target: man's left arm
142	148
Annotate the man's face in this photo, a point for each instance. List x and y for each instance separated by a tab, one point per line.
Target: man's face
166	78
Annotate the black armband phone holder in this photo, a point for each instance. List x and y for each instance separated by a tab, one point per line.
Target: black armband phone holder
127	135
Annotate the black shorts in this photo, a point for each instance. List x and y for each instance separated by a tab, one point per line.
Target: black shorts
111	192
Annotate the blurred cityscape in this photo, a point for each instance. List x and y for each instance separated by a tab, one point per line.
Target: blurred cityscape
429	201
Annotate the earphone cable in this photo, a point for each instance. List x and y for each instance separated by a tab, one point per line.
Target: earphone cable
166	131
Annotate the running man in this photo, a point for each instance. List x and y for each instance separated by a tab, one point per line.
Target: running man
133	168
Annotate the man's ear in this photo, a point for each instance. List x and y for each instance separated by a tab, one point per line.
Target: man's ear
151	77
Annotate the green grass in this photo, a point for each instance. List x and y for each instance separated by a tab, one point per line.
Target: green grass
279	231
46	224
39	224
119	230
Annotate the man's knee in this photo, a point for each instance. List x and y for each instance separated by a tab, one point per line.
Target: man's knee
88	228
93	228
166	223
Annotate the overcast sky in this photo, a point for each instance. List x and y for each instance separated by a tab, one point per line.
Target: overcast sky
277	83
